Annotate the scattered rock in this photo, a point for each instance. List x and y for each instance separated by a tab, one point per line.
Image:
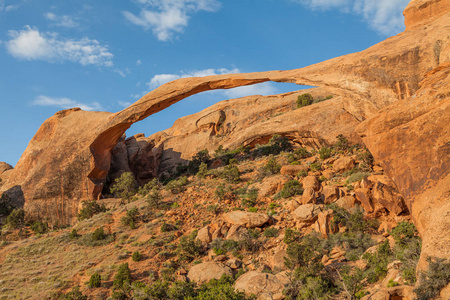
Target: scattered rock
330	193
277	261
245	218
363	196
343	164
309	196
206	271
292	170
347	203
204	234
307	213
311	182
265	286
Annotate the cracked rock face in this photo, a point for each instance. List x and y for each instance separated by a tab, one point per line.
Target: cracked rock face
398	89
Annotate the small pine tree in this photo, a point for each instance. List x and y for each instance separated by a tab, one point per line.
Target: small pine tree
95	280
122	280
136	256
124	186
304	100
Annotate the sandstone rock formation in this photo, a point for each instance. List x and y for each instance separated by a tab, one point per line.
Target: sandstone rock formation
204	272
399	87
265	286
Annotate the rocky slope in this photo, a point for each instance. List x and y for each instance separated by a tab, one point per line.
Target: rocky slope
397	91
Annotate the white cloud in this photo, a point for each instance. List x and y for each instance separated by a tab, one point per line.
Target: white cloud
62	21
138	62
384	16
124	103
64	103
11	8
166	17
161	79
30	44
266	88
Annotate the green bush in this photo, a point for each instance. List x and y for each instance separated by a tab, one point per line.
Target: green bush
166	227
122	280
98	234
304	100
16	218
74	234
249	198
39	227
317	166
355	177
201	157
75	294
95	280
154	198
366	160
131	218
136	256
342	144
89	209
6	204
276	145
378	261
325	153
270	232
231	174
202	170
189	248
272	167
124	187
434	279
149	186
291	188
177	186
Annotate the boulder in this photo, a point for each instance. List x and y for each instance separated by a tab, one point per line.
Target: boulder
204	234
206	271
311	182
323	223
309	196
263	285
387	197
270	185
292	170
277	261
363	196
307	213
347	203
330	193
236	233
245	218
343	164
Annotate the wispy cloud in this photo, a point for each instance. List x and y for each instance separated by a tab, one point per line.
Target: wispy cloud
64	103
167	17
30	44
266	88
62	21
4	7
383	16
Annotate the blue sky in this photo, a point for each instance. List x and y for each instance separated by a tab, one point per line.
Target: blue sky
106	54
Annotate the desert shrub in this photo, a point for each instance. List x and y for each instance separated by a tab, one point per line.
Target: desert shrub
392	283
96	238
201	157
270	232
249	197
136	256
325	153
358	176
189	248
98	234
351	282
75	294
291	188
177	186
154	198
223	192
342	143
355	221
378	261
276	145
149	186
39	227
89	209
95	280
434	279
407	249
304	100
300	153
220	289
250	242
16	218
122	280
131	218
317	166
272	167
202	170
166	227
230	174
74	234
366	160
124	187
291	236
